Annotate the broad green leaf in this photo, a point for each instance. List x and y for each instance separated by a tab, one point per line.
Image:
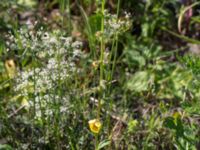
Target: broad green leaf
140	81
5	147
134	57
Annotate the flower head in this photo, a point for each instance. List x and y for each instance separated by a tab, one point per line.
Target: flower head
95	125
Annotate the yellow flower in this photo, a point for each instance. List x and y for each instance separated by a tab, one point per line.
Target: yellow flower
95	125
10	67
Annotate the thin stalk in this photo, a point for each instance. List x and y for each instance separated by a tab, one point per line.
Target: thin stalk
118	7
102	41
65	5
62	8
91	36
115	58
96	142
58	104
34	94
101	56
68	17
113	52
102	46
114	47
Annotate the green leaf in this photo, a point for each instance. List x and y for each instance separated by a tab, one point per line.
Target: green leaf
134	57
132	125
140	81
180	19
169	123
28	3
182	37
95	23
103	144
5	147
176	124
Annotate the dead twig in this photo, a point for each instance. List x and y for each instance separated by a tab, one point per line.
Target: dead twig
16	111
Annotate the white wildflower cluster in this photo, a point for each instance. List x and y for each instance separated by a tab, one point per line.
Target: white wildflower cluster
114	25
40	43
57	59
45	77
45	106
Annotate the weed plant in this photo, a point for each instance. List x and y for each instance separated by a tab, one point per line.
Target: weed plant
123	80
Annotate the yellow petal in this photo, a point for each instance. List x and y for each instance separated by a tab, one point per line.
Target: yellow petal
10	67
95	125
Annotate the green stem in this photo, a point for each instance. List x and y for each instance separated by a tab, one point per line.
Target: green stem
118	7
68	17
96	142
101	56
115	58
102	45
102	41
113	64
